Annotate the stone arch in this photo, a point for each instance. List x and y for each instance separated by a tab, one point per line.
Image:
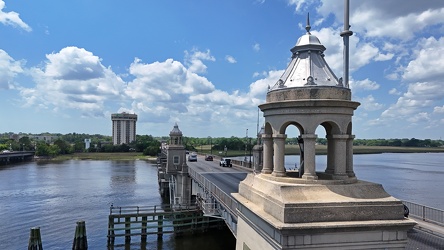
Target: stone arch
283	128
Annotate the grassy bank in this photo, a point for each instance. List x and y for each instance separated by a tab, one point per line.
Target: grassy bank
322	149
289	150
105	156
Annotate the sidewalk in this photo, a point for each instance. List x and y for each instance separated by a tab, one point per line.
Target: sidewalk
428	227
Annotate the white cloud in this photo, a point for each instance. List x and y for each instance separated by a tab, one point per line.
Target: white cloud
438	109
384	57
365	84
300	5
394	91
12	18
194	60
428	63
9	69
259	88
420	98
73	79
256	47
230	59
371	19
361	53
369	103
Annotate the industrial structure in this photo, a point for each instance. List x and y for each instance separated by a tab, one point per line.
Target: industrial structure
124	128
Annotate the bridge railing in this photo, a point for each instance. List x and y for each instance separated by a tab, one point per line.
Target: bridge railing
225	199
425	213
116	210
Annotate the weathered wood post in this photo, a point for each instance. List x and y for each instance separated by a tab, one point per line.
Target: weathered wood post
159	227
111	234
127	230
143	230
35	240
80	241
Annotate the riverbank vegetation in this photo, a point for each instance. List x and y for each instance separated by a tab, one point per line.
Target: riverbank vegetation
72	146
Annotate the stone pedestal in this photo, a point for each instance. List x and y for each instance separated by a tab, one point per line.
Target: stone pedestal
289	213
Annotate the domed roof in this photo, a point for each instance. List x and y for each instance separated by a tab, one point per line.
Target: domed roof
308	67
308	39
176	131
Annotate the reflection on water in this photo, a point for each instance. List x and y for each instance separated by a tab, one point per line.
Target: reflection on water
55	195
415	177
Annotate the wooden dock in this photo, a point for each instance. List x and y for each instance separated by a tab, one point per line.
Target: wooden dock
135	221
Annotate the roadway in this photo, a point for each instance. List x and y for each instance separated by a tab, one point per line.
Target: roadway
227	179
423	236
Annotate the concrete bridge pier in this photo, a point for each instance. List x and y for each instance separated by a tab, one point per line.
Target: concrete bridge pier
332	209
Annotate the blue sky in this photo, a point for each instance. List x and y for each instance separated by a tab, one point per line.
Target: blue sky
66	66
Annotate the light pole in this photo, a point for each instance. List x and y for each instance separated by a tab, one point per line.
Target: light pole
225	149
246	140
211	145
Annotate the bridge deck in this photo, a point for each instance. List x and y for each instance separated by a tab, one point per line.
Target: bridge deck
425	235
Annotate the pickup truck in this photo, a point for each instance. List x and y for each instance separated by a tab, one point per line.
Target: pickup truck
225	162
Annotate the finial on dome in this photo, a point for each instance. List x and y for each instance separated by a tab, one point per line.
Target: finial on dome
308	27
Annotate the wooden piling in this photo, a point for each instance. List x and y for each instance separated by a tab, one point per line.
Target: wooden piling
159	227
111	233
143	230
35	239
80	241
127	230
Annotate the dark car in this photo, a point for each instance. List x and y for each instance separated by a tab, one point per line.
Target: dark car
209	158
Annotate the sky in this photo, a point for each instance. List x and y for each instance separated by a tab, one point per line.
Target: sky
66	66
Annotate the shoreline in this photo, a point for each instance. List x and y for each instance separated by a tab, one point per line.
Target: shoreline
289	150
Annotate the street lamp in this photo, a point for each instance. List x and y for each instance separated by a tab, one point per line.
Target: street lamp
211	145
246	140
225	149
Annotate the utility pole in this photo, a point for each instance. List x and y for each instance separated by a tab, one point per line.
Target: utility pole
246	140
346	33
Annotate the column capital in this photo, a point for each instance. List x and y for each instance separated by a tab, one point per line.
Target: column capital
266	136
340	137
309	136
279	136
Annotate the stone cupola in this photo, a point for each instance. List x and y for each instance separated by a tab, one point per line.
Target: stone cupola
308	66
309	95
175	136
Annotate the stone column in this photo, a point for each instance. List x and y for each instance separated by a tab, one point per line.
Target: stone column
330	155
279	155
268	154
309	157
340	156
349	163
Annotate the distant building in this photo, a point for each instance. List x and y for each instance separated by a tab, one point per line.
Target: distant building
87	143
45	138
124	128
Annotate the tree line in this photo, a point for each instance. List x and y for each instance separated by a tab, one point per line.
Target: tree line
71	143
149	145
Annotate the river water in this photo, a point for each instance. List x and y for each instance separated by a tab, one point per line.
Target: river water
54	195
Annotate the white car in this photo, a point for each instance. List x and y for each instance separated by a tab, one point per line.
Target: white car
225	162
192	157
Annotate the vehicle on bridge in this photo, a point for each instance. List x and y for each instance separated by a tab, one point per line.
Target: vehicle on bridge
208	158
192	157
225	162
